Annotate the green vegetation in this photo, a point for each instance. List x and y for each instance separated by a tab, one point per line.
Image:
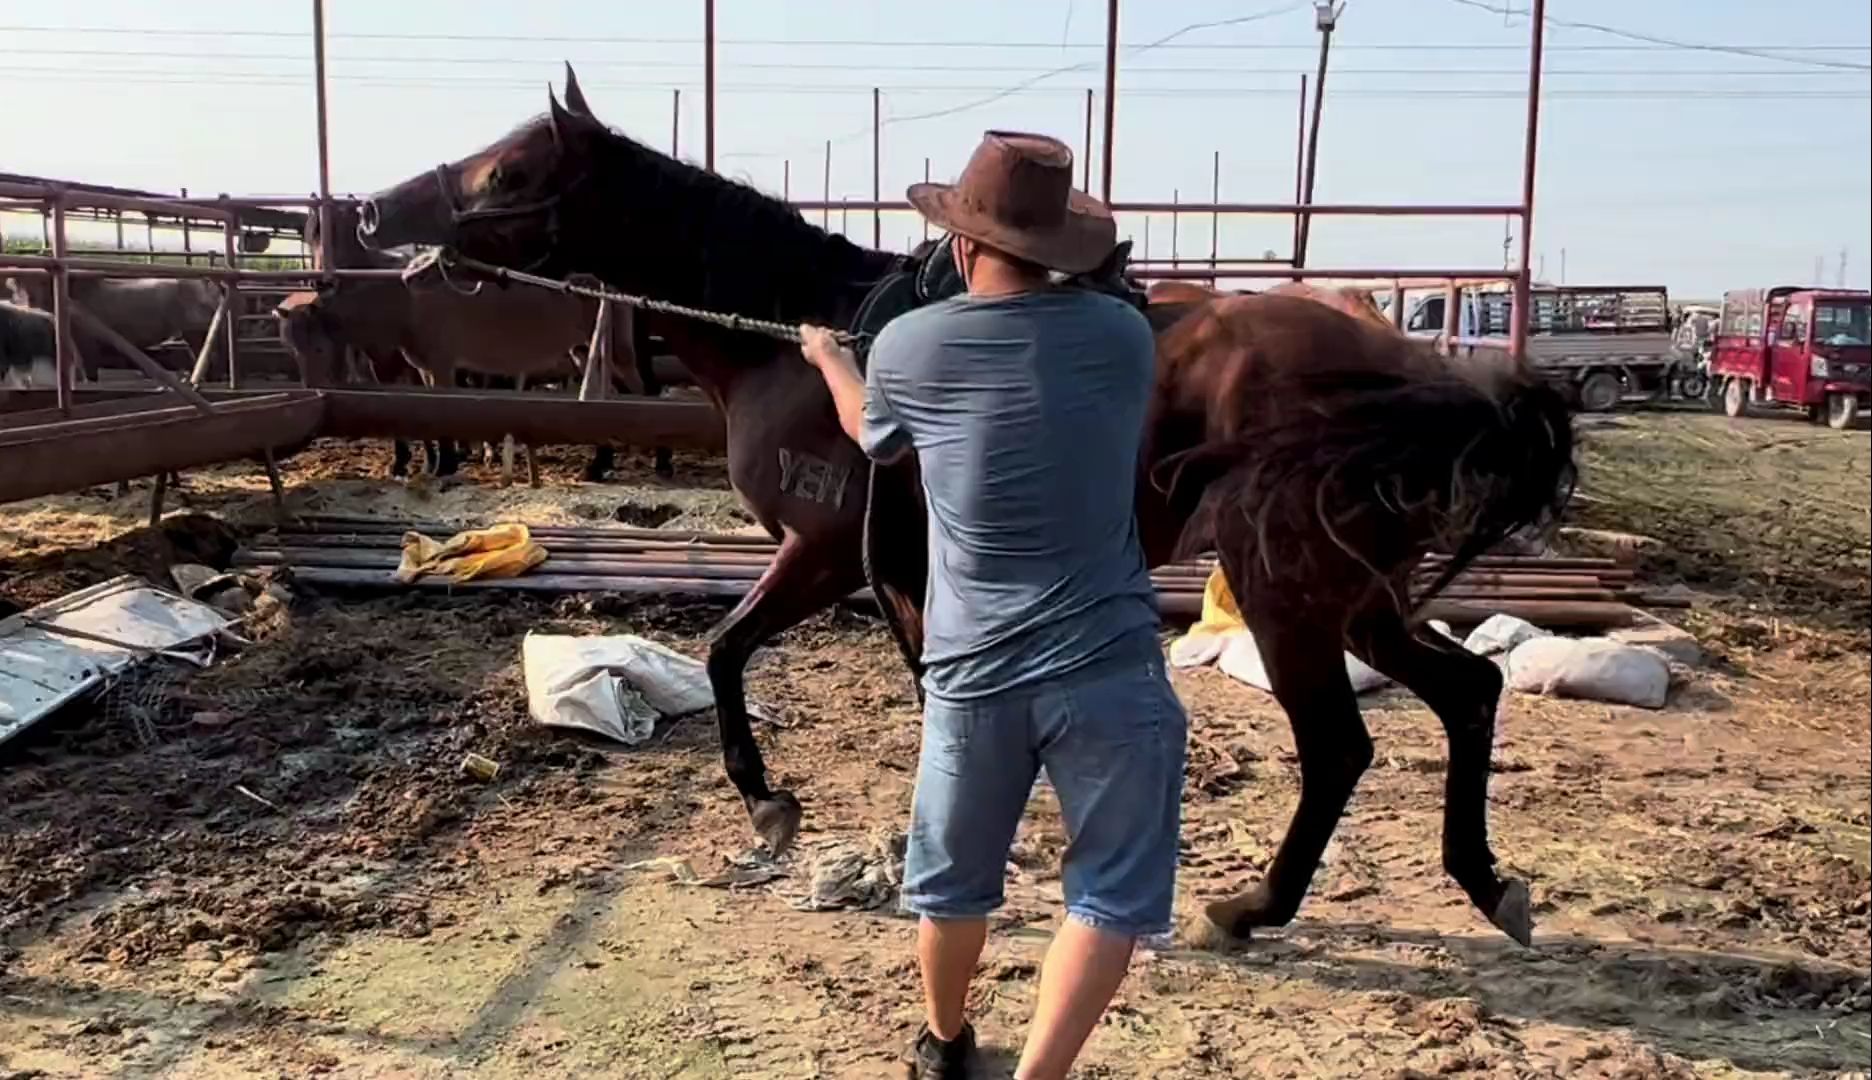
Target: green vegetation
24	245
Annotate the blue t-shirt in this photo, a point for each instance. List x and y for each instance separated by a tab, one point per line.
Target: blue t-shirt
1026	414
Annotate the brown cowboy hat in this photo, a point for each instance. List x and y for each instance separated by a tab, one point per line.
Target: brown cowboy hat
1017	196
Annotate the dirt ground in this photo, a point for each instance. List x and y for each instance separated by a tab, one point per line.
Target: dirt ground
291	878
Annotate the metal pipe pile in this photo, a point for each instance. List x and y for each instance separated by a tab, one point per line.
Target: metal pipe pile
358	553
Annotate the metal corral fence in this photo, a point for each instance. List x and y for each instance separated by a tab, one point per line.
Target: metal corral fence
72	444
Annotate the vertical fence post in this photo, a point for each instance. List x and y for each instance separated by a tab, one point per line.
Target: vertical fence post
231	285
1176	196
1111	93
64	348
708	85
324	209
675	123
1452	319
596	379
1215	216
877	168
187	243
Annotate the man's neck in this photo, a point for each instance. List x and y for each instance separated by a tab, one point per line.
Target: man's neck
992	278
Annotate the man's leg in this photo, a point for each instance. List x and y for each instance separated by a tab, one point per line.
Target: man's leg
948	951
1083	968
1113	746
973	777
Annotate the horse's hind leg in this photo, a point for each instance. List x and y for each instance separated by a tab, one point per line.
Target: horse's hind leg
1305	662
801	580
1463	690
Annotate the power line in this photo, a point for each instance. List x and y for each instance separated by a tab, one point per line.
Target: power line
195	77
1652	39
511	39
1043	76
797	66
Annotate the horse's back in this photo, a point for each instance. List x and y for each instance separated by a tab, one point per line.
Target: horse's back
1243	358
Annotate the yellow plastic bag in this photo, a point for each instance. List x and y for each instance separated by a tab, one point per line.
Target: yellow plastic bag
1219	613
500	551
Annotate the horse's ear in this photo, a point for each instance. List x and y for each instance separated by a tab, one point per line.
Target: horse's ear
563	123
575	97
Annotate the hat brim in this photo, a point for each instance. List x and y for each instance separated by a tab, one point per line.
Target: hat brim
1078	244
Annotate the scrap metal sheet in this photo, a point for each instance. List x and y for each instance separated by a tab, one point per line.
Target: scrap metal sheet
42	669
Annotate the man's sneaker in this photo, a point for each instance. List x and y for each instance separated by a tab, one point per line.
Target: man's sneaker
934	1059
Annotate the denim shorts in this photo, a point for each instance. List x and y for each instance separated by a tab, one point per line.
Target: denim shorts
1111	737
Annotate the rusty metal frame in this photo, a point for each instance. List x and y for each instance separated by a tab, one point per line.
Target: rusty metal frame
64	454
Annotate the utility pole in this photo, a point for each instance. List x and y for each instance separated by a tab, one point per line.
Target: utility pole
1841	281
1563	266
1325	18
1819	269
1507	244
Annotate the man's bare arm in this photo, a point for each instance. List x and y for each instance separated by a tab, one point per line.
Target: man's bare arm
839	368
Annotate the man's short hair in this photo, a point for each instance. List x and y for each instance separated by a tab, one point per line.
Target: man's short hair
1025	266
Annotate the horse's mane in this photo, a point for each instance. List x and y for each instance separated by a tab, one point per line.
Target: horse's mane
723	244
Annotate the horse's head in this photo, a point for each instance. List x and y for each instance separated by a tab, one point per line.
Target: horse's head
502	204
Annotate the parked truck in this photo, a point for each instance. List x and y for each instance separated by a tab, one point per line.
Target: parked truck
1603	343
1792	347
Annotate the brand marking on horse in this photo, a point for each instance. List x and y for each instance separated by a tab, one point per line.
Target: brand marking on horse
813	478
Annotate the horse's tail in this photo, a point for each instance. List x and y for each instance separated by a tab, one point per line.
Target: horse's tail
1387	466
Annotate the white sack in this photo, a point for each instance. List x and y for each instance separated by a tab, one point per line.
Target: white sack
1596	669
617	686
1241	659
1501	633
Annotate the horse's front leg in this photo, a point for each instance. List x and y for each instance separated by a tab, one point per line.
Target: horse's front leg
802	579
1303	651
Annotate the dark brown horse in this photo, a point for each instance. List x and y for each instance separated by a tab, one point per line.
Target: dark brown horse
1320	456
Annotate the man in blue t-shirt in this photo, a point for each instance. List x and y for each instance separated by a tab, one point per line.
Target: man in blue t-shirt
1024	403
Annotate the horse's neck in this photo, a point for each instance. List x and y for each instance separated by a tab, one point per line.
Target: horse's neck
719	246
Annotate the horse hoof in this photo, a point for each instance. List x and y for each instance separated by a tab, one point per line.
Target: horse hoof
1206	933
1230	918
1514	913
777	820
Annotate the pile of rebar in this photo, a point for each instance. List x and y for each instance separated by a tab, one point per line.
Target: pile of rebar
358	553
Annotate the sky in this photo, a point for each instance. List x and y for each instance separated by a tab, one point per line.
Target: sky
1701	169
